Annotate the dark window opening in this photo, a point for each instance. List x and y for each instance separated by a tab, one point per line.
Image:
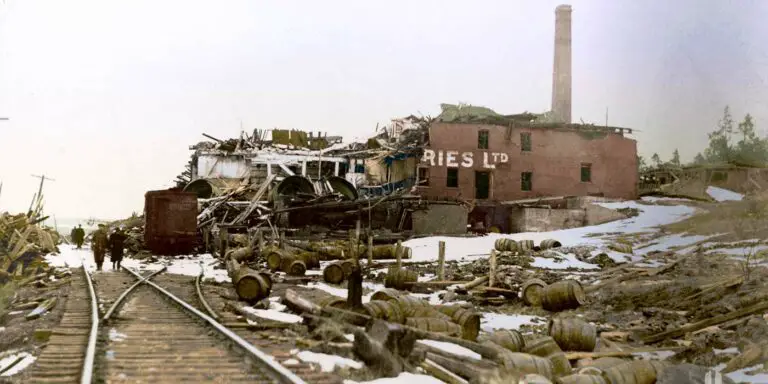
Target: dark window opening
526	181
452	179
525	141
482	139
586	173
482	185
359	168
424	177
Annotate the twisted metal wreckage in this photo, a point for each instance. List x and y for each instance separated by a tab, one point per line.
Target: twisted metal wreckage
309	186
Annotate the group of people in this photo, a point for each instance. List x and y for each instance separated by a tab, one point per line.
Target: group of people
101	242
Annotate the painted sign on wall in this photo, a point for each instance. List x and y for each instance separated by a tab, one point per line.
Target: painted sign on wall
442	158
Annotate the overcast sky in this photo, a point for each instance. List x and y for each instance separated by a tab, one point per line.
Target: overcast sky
105	96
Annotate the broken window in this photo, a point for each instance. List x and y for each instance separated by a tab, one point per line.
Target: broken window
424	177
482	139
586	173
526	181
482	185
525	141
452	179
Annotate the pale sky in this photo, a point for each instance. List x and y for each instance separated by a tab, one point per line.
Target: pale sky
105	96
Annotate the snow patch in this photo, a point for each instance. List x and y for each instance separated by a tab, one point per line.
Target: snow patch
403	378
721	194
569	261
328	362
271	314
452	348
291	362
20	361
114	335
493	321
666	242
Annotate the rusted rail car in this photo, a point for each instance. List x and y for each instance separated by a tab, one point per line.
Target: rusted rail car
171	222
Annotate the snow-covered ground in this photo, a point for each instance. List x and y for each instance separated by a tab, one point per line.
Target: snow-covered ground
721	194
650	216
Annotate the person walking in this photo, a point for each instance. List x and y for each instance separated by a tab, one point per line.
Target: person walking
73	236
99	245
116	245
79	236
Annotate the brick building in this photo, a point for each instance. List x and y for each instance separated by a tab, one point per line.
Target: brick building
495	163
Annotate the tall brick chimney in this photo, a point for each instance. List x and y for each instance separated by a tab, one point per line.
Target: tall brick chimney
561	76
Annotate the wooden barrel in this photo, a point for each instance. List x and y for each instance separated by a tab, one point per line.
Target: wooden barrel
334	272
506	245
531	292
573	334
408	304
240	254
387	294
527	245
565	294
273	256
550	244
509	339
385	310
291	265
347	266
311	259
427	312
388	252
534	378
621	247
431	324
581	379
527	363
398	277
631	372
332	301
468	319
252	286
597	366
547	347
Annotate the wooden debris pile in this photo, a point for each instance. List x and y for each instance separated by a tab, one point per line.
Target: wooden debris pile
23	243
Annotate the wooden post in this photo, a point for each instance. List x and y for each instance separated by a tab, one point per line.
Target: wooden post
223	241
281	242
353	248
260	240
370	248
492	271
399	254
441	261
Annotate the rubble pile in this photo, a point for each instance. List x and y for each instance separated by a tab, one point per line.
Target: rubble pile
134	230
23	243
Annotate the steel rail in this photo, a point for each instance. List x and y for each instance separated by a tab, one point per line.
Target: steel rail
274	369
90	352
125	293
201	297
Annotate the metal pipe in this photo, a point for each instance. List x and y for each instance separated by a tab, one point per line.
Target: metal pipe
90	352
276	370
125	294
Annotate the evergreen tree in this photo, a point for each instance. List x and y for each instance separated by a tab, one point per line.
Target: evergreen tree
656	160
675	158
719	150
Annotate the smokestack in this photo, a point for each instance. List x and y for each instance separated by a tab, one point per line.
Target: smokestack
561	76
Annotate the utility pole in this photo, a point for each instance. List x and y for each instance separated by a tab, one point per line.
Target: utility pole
42	178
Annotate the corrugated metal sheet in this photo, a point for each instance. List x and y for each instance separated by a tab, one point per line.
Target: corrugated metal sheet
224	167
171	222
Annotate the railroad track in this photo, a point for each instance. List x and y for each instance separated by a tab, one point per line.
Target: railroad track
152	336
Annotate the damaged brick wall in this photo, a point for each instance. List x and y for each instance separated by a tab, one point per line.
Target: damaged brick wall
555	160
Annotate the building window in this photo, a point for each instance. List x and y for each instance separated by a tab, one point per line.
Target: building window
525	141
359	167
482	139
452	179
424	177
526	181
586	173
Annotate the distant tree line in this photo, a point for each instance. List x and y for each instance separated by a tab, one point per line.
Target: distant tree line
728	144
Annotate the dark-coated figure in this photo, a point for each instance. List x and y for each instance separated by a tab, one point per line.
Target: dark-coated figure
99	243
116	246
